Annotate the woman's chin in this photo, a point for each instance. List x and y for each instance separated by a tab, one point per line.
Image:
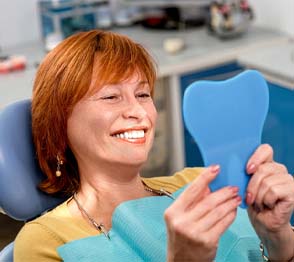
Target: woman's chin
135	162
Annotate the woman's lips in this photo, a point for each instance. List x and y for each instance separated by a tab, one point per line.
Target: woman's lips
136	136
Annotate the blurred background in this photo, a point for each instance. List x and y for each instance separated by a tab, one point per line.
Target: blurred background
190	40
20	20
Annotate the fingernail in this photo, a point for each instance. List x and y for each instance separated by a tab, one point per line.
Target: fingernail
215	168
234	189
249	198
238	200
251	168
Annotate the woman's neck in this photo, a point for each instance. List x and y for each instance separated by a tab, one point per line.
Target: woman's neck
100	192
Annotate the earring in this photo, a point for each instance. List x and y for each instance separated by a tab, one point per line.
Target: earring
59	164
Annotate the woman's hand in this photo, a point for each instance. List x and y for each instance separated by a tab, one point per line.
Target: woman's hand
270	199
197	219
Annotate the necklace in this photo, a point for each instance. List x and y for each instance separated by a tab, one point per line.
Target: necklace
160	192
100	226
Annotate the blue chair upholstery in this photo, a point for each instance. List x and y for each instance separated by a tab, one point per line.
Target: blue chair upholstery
20	174
6	254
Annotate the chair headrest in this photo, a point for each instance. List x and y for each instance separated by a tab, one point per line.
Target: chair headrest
19	170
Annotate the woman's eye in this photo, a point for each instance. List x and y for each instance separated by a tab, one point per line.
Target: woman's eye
144	95
111	97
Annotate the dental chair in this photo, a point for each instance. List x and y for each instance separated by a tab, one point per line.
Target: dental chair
20	174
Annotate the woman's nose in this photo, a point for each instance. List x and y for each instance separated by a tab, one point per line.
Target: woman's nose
134	109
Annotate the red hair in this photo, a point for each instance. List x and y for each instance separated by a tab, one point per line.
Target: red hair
63	79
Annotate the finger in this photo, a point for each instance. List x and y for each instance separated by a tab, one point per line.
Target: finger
264	170
196	189
206	192
267	185
264	153
282	190
210	203
216	214
211	237
215	232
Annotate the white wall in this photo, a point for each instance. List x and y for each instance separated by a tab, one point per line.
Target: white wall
19	20
276	14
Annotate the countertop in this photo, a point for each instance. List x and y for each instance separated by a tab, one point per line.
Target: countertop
275	62
201	50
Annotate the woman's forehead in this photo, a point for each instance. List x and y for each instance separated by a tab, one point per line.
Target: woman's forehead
131	82
132	77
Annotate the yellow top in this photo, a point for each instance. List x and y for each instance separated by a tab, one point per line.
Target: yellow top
39	239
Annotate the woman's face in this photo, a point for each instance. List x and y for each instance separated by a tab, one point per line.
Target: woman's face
114	126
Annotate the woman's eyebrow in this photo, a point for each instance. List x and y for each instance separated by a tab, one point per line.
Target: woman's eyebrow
143	82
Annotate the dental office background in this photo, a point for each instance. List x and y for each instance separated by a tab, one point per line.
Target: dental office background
19	19
20	25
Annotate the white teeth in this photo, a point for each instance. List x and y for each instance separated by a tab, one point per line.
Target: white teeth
126	135
131	134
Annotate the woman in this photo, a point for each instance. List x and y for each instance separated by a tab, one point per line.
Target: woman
93	122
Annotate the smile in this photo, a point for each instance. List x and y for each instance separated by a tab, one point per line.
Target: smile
133	136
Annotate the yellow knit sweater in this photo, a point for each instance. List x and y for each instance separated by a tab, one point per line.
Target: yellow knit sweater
39	239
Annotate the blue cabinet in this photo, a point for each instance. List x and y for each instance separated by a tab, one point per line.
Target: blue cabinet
278	130
279	126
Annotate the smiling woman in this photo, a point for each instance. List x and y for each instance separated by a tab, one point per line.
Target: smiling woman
75	70
93	123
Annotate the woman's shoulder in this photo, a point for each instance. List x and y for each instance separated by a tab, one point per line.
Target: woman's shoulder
39	238
37	242
174	182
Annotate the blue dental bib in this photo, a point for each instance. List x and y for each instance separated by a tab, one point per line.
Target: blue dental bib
138	234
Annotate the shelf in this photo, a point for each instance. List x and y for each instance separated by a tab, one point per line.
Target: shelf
71	13
70	9
156	3
69	4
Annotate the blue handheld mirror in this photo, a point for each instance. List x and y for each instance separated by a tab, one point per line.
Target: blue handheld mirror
226	119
